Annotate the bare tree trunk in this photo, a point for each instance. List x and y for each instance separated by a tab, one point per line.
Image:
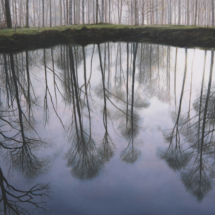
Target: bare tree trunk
15	12
50	11
196	6
78	11
169	12
27	13
64	12
179	12
55	14
163	12
8	15
3	8
39	13
75	22
143	13
83	17
136	13
156	12
109	10
60	12
97	11
43	13
188	12
67	12
70	12
132	13
88	12
34	12
106	9
212	2
102	10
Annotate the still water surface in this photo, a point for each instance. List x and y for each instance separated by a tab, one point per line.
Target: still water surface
116	128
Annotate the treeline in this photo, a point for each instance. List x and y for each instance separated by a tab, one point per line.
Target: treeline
41	13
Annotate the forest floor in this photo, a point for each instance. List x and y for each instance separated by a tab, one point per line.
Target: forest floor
13	40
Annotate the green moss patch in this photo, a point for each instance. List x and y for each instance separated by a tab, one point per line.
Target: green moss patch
34	38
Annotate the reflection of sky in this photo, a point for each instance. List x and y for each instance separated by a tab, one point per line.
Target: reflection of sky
148	186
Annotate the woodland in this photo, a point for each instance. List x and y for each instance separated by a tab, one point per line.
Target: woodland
42	13
77	78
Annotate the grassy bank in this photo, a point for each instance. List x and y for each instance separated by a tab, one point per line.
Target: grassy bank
33	38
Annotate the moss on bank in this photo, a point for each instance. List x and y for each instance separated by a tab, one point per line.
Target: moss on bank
33	38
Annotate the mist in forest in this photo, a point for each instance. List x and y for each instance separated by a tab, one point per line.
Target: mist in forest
41	13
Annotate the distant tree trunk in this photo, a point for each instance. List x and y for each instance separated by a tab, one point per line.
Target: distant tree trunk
109	11
120	12
55	14
179	12
196	6
188	13
38	15
67	12
132	12
212	2
162	15
93	11
83	17
47	9
70	12
106	11
136	13
102	10
34	13
78	11
169	12
43	13
27	14
64	12
89	11
8	15
60	12
143	13
15	12
97	11
156	12
75	22
3	8
20	13
50	11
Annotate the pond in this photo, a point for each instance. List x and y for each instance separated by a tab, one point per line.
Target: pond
115	128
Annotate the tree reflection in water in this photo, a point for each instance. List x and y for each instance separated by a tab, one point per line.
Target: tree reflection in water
16	201
83	156
123	93
175	156
19	141
197	162
131	154
106	150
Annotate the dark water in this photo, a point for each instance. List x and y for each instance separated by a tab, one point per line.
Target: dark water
114	128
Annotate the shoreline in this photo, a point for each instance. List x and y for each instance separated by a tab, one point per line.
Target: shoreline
35	38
